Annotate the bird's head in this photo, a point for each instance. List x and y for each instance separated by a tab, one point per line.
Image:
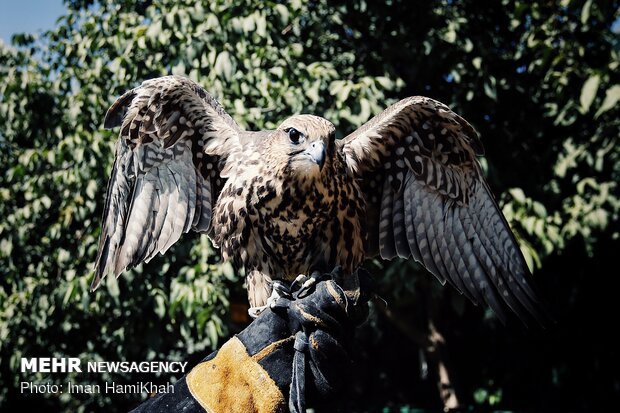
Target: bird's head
304	143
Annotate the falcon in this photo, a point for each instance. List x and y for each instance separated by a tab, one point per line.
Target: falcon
293	200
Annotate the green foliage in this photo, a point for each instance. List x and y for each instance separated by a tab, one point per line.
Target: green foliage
538	80
56	157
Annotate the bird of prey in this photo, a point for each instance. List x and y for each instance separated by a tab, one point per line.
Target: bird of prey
292	200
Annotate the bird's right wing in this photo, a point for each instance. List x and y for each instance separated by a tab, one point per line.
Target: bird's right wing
175	141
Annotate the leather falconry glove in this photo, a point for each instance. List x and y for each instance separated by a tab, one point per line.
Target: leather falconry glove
295	353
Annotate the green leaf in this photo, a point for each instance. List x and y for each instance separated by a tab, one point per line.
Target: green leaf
585	12
489	88
517	194
385	82
179	69
612	96
283	12
154	30
223	65
481	395
450	36
588	92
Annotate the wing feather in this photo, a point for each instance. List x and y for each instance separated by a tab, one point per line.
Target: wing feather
203	219
486	251
446	246
398	227
457	254
438	241
386	235
409	219
174	140
421	216
436	206
483	280
161	213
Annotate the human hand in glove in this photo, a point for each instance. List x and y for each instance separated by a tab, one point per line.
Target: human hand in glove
295	351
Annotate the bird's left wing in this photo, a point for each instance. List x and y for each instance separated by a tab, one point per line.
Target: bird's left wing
174	144
426	198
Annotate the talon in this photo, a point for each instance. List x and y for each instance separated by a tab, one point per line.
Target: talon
254	312
272	299
308	283
297	284
280	289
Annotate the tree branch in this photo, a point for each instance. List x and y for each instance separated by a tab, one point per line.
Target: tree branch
433	343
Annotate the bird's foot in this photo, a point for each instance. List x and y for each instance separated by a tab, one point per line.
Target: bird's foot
279	290
254	312
304	284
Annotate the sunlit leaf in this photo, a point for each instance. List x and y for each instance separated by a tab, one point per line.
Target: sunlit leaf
588	92
612	96
223	65
585	12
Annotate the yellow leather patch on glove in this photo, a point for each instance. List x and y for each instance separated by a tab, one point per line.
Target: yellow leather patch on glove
234	382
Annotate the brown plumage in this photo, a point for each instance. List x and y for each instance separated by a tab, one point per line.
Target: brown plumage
293	200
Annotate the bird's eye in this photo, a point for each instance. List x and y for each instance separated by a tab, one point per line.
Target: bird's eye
295	136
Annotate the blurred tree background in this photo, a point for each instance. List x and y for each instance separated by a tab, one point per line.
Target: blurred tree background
539	80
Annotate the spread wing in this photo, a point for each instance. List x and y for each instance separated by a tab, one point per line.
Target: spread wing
427	199
174	142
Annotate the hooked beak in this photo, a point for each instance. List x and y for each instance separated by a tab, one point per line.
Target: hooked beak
316	151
